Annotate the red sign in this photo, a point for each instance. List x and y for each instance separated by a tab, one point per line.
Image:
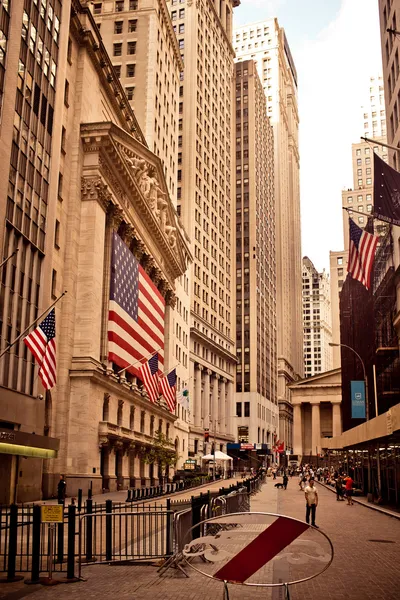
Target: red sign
247	446
261	550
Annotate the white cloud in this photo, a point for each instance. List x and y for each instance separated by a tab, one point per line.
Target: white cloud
334	72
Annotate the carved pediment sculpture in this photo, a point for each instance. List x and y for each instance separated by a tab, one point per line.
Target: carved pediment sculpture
145	176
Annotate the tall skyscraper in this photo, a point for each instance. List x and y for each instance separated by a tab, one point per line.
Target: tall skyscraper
256	378
265	43
317	320
205	184
30	63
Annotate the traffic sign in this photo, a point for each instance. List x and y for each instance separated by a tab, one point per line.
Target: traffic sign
52	513
256	548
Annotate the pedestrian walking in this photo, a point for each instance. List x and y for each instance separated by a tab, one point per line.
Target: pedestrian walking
349	489
319	471
274	472
311	495
61	490
339	488
285	481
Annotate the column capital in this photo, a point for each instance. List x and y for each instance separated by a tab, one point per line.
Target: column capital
224	380
199	367
208	372
115	216
217	376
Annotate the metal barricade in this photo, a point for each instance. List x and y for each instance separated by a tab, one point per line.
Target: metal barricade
124	536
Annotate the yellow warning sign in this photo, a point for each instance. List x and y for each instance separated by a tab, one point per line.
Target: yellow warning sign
52	513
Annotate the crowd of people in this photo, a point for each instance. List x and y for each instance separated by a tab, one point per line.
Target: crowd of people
307	474
341	481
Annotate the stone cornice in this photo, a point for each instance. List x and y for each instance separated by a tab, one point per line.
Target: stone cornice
88	368
84	29
195	333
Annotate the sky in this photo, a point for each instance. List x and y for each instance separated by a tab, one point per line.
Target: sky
336	48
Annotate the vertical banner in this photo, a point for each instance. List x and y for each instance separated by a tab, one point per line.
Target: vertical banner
358	399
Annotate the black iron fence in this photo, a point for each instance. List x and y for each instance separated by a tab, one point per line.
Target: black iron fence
102	532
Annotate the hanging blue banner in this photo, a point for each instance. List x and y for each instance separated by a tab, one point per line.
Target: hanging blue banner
358	399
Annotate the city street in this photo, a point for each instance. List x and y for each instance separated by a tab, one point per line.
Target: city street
367	552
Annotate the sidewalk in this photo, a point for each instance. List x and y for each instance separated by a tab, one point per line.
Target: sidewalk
364	502
365	566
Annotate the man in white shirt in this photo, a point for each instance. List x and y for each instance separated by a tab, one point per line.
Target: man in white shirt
311	495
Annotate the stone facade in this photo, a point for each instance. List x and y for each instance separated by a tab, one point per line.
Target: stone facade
316	413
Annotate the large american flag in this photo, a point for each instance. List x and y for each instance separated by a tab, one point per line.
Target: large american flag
361	254
136	312
42	343
168	389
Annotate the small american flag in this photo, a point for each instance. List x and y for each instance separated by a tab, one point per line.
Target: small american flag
42	343
361	254
136	312
168	389
149	375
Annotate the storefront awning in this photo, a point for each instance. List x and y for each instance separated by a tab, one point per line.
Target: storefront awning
28	444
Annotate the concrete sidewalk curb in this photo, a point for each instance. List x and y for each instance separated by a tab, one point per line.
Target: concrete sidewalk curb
383	511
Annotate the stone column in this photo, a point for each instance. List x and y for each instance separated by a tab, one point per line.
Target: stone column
197	396
125	483
315	429
224	424
206	399
297	430
215	425
112	477
228	407
134	469
336	419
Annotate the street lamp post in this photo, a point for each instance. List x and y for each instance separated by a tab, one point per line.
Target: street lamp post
365	375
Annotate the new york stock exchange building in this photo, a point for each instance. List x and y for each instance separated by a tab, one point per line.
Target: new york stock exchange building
106	218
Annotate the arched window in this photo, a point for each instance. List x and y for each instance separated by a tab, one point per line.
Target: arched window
106	407
120	412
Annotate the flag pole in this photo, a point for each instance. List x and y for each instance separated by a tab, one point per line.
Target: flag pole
32	324
169	370
138	361
8	258
369	215
380	143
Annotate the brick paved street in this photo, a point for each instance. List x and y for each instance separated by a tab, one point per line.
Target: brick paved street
362	569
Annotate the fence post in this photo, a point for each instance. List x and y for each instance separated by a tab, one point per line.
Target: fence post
71	544
12	547
60	539
79	500
35	567
109	530
169	528
89	531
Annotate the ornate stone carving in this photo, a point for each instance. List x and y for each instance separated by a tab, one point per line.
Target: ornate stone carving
118	445
139	249
138	166
163	287
170	298
129	234
103	441
170	232
93	188
115	216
